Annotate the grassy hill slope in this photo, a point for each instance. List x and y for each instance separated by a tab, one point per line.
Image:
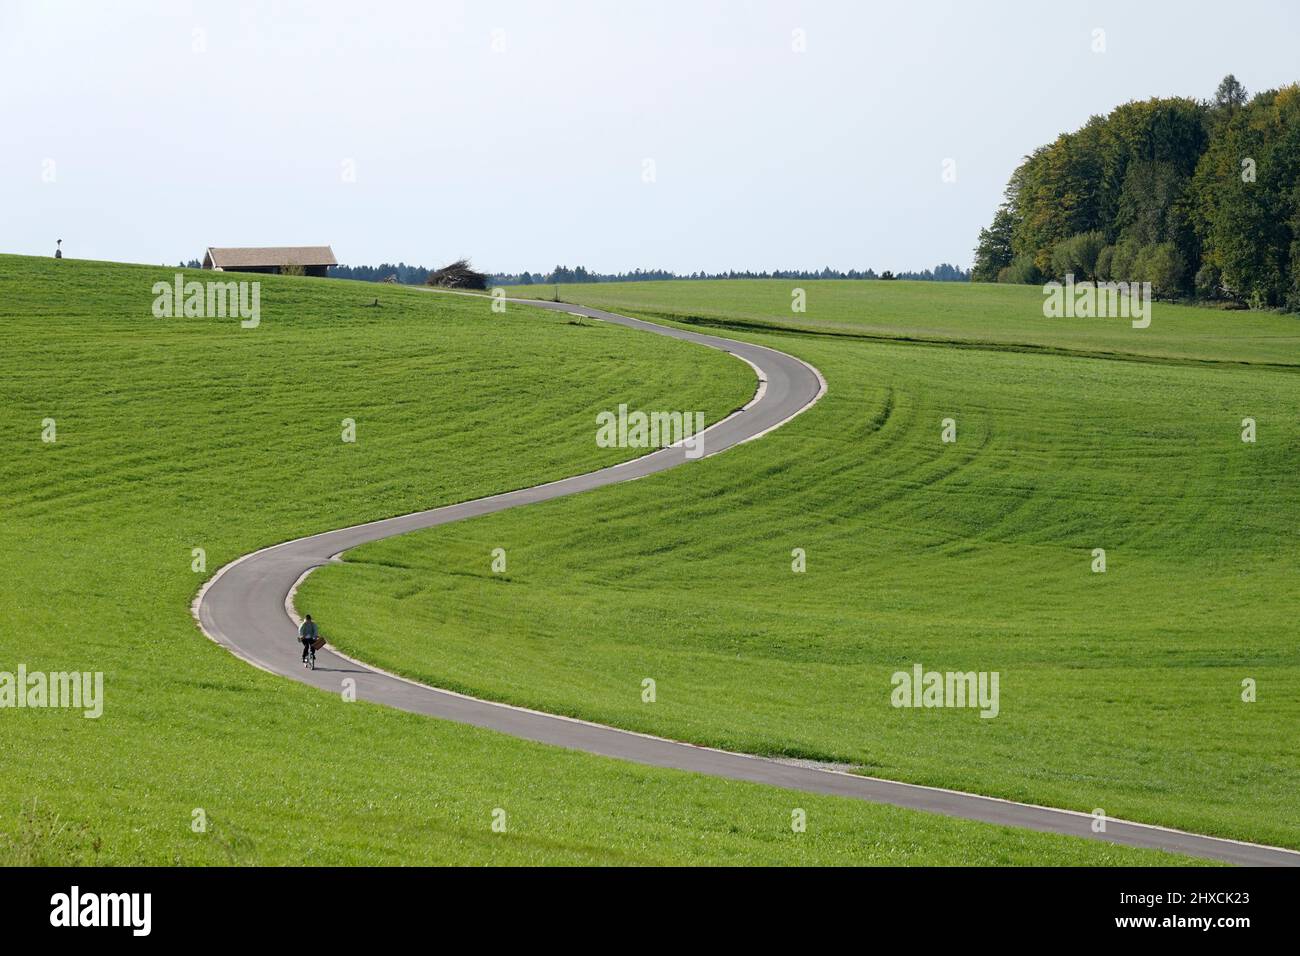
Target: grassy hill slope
1006	316
1120	690
175	434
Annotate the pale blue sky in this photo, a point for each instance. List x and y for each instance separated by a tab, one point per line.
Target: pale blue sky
174	126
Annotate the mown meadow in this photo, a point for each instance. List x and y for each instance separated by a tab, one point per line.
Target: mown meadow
171	435
1121	689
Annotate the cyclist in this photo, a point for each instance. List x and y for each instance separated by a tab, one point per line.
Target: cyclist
307	634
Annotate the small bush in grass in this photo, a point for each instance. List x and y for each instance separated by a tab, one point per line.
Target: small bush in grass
1022	270
1078	255
458	275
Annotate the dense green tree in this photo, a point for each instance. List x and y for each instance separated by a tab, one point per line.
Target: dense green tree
1230	93
1195	197
1077	255
1247	203
993	251
1162	266
1022	270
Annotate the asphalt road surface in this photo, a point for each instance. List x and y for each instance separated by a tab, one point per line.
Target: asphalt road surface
246	608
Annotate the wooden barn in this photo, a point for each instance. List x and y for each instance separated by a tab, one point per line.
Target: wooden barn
298	260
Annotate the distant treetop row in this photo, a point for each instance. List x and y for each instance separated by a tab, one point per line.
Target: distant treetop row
417	275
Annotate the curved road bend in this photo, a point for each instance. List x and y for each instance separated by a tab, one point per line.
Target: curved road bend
245	608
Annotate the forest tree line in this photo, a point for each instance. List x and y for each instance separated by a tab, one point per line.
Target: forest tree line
1199	198
418	275
944	272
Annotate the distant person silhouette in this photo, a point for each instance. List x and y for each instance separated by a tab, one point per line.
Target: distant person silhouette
307	634
58	250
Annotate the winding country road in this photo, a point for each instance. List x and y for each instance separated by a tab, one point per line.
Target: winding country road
246	607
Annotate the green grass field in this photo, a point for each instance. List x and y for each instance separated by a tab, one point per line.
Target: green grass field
1119	690
175	434
1010	316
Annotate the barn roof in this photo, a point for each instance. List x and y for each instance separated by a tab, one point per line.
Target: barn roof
235	257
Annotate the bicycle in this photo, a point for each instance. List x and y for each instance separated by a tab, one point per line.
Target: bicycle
309	661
